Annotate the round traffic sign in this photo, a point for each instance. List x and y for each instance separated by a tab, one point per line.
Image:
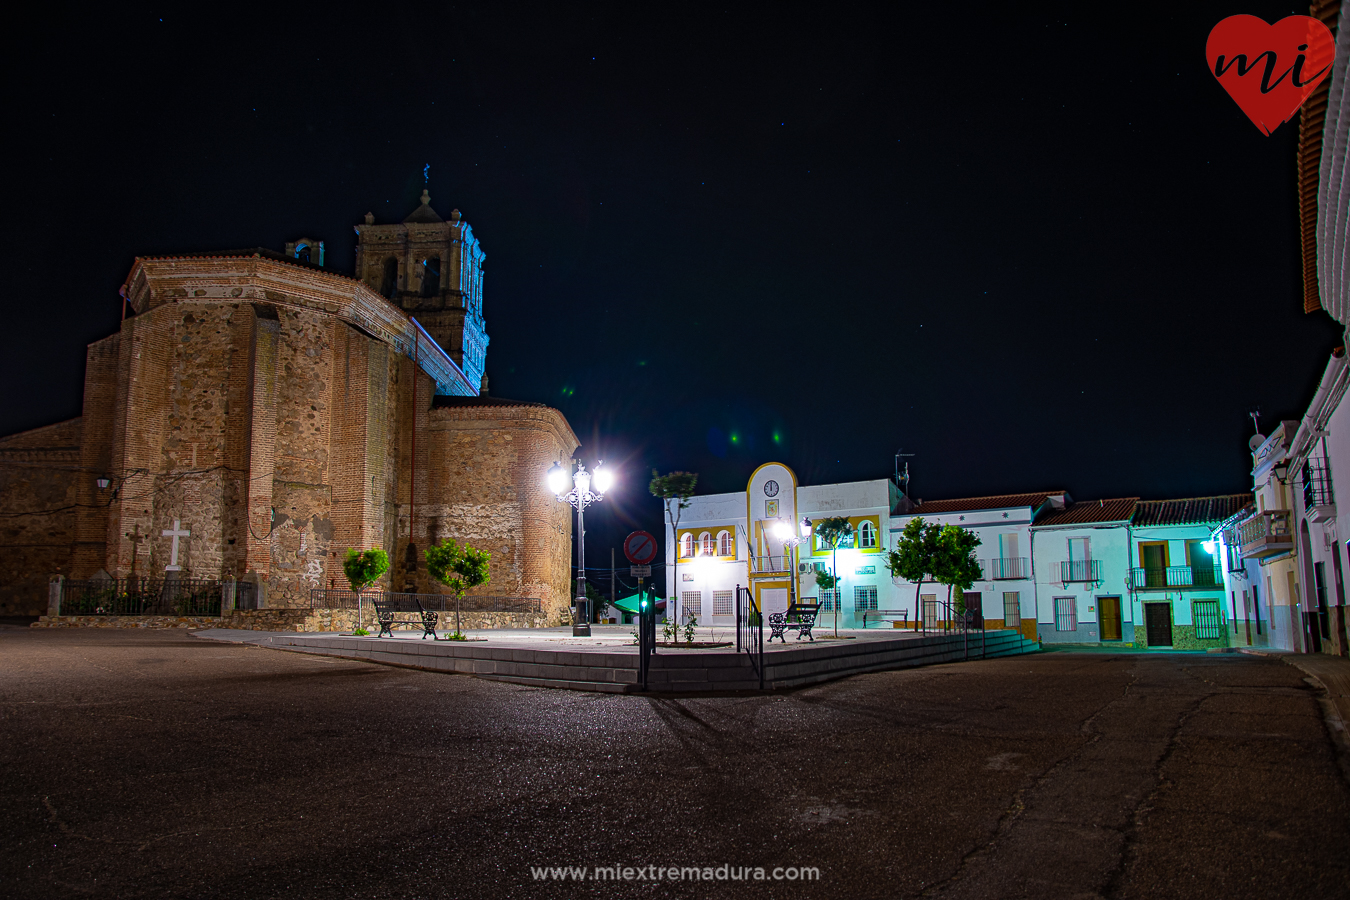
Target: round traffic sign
640	548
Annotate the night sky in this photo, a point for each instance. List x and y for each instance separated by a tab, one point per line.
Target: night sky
1035	249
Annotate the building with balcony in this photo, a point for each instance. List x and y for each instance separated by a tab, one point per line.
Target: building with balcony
1178	593
1005	594
1080	556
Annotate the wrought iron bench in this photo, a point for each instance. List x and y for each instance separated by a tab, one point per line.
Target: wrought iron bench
387	609
881	615
800	618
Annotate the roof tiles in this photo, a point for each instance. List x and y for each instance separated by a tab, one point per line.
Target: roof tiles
1191	511
1090	511
998	501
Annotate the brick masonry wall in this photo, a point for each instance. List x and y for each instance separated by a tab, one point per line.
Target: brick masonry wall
39	475
279	434
484	481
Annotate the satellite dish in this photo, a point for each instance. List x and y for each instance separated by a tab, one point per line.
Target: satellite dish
1256	441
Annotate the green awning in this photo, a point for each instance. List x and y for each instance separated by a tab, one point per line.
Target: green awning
630	604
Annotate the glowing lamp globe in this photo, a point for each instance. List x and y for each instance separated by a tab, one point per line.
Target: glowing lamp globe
604	478
782	530
557	479
582	480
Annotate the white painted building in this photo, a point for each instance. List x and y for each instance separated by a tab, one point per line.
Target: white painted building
1081	564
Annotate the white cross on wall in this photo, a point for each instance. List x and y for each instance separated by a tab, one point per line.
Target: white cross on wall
176	532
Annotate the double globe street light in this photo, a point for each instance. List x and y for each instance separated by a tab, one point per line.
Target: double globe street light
782	530
580	496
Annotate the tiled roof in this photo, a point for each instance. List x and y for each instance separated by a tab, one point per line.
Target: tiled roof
1090	511
1192	511
998	501
442	401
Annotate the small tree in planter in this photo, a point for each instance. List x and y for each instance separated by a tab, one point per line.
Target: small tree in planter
955	564
674	491
363	568
459	568
914	558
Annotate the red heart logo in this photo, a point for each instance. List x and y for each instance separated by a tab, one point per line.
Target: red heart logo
1270	69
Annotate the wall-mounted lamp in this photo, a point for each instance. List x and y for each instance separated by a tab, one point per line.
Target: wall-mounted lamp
103	481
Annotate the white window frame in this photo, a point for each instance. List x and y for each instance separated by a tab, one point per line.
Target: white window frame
1015	597
705	543
726	544
688	600
687	545
867	535
722	603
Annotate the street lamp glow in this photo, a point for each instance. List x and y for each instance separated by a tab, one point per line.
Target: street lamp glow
557	480
604	478
782	530
1209	546
806	527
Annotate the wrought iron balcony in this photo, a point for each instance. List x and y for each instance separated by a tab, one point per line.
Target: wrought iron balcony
1319	502
1080	570
770	564
1266	534
1008	567
1159	578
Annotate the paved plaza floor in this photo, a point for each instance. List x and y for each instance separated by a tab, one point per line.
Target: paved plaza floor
140	764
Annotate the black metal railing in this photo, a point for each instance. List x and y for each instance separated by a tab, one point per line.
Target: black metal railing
1144	578
323	598
1008	567
1316	478
141	597
1071	570
941	616
750	630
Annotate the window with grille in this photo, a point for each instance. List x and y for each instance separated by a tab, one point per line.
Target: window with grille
725	544
687	546
867	536
1012	609
865	596
1206	615
931	612
1066	614
693	604
722	603
829	598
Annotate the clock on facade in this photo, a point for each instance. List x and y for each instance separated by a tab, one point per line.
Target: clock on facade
771	489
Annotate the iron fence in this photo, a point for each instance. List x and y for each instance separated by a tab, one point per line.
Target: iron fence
324	598
1008	567
750	630
142	597
1316	478
1080	570
1143	578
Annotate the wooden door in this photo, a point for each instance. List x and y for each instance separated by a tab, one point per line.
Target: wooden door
1158	624
1154	558
1108	615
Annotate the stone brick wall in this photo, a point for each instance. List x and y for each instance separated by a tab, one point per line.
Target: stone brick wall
273	411
40	482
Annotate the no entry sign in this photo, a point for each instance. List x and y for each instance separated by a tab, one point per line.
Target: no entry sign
640	548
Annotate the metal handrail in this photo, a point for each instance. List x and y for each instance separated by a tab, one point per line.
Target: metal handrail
1072	570
1008	567
750	630
1161	577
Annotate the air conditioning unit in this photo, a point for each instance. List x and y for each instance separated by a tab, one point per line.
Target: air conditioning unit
806	567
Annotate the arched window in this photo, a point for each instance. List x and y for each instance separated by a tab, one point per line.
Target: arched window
431	276
389	283
725	545
706	541
867	536
687	546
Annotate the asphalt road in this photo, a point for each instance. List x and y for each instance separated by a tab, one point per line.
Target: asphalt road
155	764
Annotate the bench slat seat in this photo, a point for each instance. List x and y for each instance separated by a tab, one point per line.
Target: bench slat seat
805	619
388	612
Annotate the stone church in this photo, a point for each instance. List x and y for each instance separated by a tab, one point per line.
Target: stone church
274	413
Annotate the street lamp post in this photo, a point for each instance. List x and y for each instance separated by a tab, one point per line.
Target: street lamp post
580	497
783	531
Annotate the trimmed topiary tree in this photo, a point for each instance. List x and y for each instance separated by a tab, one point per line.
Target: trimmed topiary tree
364	568
460	568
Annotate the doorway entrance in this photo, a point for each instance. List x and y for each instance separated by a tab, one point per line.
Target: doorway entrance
1108	615
1158	624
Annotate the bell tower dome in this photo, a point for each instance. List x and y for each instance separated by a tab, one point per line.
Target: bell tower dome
433	269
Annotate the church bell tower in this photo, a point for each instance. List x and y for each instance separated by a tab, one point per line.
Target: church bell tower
433	269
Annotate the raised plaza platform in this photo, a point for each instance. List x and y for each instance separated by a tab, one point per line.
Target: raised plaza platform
608	661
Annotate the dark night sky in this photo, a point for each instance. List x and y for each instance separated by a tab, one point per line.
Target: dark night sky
1037	250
